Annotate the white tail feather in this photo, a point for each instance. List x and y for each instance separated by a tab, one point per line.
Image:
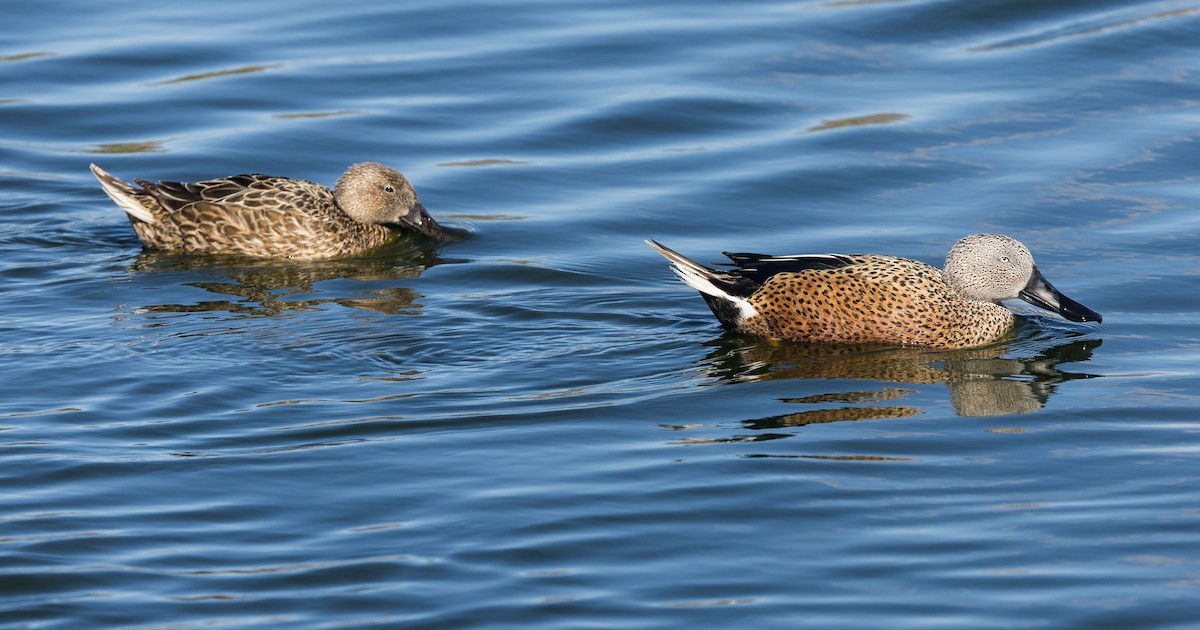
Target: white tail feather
700	278
122	195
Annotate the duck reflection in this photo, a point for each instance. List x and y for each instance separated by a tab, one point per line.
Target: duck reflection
986	381
270	287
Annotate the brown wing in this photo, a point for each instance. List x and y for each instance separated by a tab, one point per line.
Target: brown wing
241	192
250	214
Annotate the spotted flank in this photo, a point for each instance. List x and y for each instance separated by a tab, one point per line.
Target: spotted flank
832	298
273	217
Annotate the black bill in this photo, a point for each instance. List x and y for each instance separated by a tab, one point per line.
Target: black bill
1041	293
419	220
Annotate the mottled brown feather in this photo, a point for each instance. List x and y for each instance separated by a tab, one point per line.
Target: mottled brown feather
253	214
870	298
873	299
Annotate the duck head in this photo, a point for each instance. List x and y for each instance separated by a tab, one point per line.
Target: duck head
371	192
994	268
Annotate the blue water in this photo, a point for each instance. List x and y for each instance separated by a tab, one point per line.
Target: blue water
539	427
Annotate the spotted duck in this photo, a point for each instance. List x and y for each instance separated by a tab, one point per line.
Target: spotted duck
874	298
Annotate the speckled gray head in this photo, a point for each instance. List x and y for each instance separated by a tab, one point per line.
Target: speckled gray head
994	268
371	192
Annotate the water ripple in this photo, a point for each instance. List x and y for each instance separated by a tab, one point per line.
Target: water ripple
538	426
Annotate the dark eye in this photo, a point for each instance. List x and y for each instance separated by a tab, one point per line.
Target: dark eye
389	188
1004	259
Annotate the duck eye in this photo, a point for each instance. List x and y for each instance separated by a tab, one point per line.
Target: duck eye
389	188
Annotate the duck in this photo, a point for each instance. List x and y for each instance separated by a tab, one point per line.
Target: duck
873	298
274	217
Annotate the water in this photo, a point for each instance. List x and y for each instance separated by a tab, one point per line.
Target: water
540	427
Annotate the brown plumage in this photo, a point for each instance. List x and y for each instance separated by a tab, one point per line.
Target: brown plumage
874	298
264	216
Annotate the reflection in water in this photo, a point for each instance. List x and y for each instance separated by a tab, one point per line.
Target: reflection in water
859	121
25	56
1092	26
221	73
484	162
117	148
309	115
270	287
982	381
840	414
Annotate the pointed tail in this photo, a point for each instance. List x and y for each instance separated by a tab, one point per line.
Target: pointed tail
122	194
718	288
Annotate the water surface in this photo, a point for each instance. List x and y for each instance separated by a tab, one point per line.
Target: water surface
539	426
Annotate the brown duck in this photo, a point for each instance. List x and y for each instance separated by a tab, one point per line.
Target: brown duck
874	298
273	217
